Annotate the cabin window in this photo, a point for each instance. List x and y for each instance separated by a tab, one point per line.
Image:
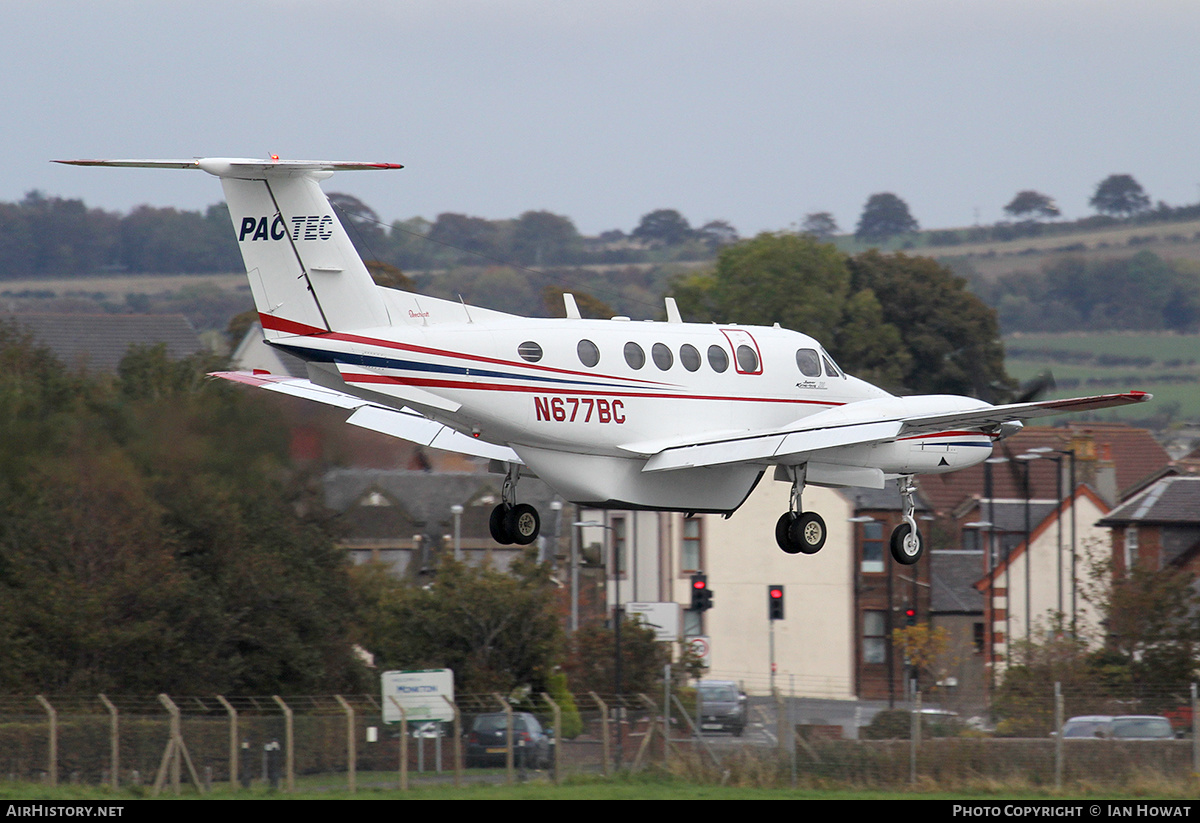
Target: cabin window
662	356
530	351
689	357
634	356
830	369
718	359
747	359
808	362
589	355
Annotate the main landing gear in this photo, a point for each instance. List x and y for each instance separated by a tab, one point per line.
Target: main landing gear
797	531
513	522
801	532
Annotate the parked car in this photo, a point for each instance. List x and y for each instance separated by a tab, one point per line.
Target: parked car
1142	727
1120	727
721	706
487	741
1088	726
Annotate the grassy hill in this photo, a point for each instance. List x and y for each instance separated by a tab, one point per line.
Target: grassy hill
1166	365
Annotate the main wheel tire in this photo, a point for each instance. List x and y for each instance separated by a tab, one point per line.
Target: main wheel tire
498	525
783	531
808	533
907	546
523	523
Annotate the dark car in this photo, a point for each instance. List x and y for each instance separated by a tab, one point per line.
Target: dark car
487	741
722	706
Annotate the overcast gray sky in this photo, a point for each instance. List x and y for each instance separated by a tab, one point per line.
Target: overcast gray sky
756	111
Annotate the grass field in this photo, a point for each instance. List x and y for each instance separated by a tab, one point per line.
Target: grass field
1166	365
623	788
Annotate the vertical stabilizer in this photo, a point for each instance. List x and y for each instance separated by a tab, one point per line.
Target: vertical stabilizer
304	272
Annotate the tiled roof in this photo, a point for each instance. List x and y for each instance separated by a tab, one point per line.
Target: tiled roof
1170	500
952	580
98	342
1134	453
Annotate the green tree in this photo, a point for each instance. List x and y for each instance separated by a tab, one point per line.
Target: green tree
1119	195
820	225
150	537
590	661
951	336
663	226
495	630
1032	204
884	216
903	322
540	237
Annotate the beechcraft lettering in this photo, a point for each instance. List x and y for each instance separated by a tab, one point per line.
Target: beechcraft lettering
304	227
698	423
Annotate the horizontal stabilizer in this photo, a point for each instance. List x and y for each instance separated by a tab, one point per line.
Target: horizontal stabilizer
402	423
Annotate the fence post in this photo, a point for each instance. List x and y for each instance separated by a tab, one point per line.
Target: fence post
403	743
351	741
1195	736
508	737
557	735
603	729
458	761
52	714
914	737
114	742
1058	738
233	742
290	744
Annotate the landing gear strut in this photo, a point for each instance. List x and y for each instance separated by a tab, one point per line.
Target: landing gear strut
797	531
907	544
513	522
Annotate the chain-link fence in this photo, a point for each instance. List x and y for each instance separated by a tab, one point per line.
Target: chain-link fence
341	742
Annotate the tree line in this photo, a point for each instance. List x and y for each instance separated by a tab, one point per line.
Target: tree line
155	536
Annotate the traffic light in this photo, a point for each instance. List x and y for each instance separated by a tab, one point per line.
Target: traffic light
701	594
775	602
910	616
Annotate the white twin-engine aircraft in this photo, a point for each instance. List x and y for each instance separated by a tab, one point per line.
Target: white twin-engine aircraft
610	413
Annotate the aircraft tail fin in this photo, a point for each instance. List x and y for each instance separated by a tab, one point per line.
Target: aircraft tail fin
305	275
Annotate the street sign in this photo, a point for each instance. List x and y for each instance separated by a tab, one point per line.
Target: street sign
420	693
700	647
662	617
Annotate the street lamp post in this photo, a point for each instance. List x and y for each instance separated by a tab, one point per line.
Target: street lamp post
457	511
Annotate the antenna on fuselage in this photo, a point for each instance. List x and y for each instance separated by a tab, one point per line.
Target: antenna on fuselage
673	315
571	308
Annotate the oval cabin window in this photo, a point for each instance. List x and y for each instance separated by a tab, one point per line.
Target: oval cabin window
589	355
634	356
530	351
717	358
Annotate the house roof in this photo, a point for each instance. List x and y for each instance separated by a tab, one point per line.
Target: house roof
1171	500
98	342
885	499
1039	528
952	576
1133	453
373	500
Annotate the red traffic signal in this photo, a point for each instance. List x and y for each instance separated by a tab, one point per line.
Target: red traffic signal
701	594
775	602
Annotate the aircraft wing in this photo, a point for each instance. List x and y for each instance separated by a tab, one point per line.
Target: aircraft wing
864	423
402	423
